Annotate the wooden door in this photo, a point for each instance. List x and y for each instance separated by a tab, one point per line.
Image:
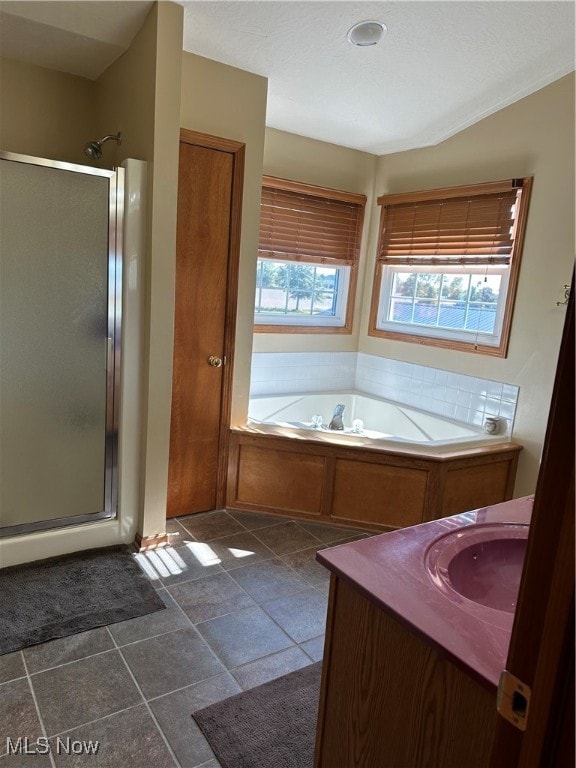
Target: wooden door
541	651
209	185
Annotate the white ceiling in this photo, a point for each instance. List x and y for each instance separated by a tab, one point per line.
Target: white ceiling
443	64
440	67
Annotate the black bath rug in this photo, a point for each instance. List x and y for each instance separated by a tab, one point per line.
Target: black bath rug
65	595
271	726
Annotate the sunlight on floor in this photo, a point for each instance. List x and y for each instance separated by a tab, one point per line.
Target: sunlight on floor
240	552
203	553
165	562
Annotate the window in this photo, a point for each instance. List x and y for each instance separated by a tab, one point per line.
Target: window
308	254
447	265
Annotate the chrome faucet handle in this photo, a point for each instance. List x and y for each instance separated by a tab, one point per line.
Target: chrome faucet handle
337	422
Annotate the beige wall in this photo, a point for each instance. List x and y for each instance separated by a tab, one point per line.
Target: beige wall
223	101
534	136
140	96
290	156
125	98
52	114
45	113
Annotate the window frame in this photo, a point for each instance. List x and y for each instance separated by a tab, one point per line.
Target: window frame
347	287
334	322
442	332
421	334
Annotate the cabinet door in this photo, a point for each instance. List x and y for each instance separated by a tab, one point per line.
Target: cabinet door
390	699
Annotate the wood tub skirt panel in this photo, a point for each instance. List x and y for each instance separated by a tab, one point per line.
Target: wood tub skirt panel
280	479
365	492
358	485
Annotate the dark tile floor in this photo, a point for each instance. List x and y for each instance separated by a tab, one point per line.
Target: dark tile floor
245	603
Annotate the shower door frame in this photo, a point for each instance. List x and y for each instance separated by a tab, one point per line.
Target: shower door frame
113	343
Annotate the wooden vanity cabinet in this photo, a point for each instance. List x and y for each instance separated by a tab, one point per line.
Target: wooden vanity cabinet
390	699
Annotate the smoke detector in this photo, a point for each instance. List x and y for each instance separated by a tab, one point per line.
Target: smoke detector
366	33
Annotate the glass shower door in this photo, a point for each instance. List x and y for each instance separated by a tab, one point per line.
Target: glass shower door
59	343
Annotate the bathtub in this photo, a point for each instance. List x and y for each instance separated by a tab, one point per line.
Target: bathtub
385	423
405	467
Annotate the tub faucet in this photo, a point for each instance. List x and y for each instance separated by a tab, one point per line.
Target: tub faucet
336	422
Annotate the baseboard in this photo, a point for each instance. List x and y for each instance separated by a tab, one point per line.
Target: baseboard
143	543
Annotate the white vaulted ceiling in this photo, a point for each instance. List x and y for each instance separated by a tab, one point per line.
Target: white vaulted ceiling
441	66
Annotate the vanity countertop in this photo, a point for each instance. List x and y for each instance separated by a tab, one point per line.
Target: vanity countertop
389	569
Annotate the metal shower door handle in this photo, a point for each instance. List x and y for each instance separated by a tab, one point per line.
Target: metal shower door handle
215	361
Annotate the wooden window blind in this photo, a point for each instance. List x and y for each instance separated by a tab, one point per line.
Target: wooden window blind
301	222
468	226
472	225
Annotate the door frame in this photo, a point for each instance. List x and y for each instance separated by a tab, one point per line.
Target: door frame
237	149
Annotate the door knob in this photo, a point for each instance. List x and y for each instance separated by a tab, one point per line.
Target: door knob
214	361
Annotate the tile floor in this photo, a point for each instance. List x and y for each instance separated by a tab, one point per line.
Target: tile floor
245	603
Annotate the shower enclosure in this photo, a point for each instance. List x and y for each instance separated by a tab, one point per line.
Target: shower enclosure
60	314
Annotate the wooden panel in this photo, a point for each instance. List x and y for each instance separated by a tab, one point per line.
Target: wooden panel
378	493
390	699
280	479
470	487
203	235
378	489
326	669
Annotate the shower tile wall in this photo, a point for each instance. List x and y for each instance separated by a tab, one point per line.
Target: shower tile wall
466	399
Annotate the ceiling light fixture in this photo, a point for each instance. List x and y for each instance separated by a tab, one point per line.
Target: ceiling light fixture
366	33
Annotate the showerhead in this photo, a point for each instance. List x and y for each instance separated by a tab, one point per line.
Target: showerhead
93	149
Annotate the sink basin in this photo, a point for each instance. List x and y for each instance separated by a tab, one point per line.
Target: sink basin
480	565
